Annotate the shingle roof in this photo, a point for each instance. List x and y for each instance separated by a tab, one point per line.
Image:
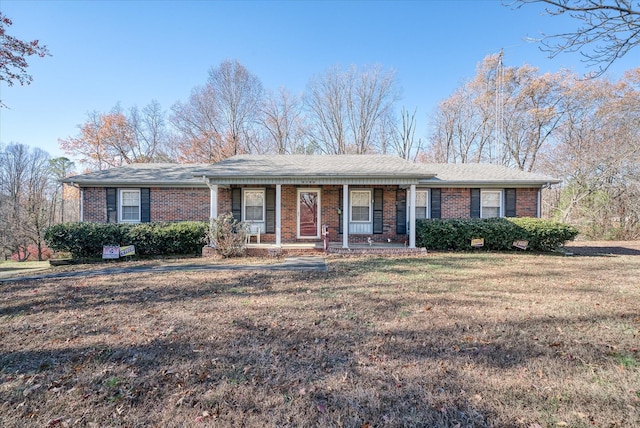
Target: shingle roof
326	168
482	174
144	174
317	165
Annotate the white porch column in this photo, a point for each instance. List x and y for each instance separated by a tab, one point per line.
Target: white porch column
412	216
345	216
278	215
213	203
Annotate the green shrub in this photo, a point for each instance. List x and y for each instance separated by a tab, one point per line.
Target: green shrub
499	234
85	240
545	235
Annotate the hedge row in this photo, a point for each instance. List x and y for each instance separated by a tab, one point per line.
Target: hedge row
499	234
85	240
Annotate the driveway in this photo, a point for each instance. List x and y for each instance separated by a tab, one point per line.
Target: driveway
308	263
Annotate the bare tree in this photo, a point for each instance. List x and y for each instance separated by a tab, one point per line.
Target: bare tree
25	193
113	139
238	102
597	153
326	103
403	139
284	122
199	137
532	111
150	132
370	99
607	29
349	110
219	119
505	115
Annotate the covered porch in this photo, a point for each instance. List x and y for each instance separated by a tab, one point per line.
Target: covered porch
289	200
355	215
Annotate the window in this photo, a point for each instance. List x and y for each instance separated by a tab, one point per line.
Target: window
360	206
130	205
422	204
491	203
253	205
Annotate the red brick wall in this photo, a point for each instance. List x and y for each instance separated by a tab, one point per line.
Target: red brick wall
179	204
94	204
166	204
527	202
175	204
456	203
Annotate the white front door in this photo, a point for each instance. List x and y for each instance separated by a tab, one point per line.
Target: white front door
309	213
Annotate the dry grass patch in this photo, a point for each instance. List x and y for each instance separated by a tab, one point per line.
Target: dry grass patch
501	340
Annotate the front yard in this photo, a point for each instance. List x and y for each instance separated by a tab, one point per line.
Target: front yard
455	340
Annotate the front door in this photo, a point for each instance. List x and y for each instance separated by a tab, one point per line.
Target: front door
309	213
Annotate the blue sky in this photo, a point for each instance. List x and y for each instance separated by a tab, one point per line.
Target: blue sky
132	52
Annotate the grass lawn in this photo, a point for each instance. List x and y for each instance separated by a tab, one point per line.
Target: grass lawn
445	340
11	268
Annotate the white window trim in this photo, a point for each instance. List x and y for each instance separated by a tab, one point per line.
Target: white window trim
428	207
264	205
121	199
370	192
501	199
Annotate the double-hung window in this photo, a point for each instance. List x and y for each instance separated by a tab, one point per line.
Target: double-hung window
129	205
361	206
490	203
254	206
361	212
422	204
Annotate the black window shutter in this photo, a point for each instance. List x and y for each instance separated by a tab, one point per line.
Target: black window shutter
340	209
236	203
145	205
510	203
378	224
475	203
270	201
112	205
401	212
436	203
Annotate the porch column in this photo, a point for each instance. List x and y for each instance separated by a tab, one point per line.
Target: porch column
345	216
278	215
412	216
213	203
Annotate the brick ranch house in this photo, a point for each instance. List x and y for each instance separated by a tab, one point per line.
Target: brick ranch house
287	198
